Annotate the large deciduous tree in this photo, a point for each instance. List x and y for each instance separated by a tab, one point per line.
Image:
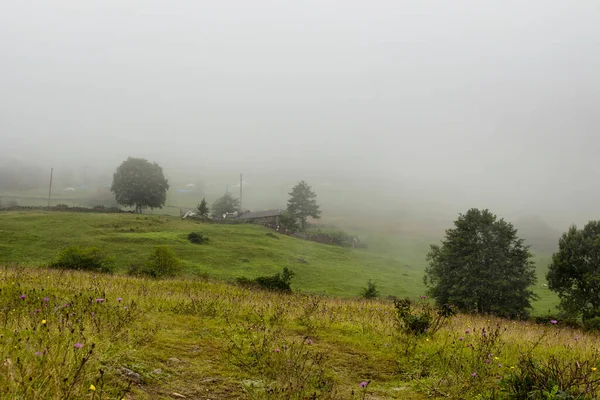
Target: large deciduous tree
303	203
482	266
226	204
140	183
575	271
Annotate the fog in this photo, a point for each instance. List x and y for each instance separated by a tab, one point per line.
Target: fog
410	109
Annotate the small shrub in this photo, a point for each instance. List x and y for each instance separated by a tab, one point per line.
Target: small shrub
79	258
162	262
556	378
370	292
197	238
425	319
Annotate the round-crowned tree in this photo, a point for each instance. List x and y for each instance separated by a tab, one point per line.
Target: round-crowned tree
482	266
140	183
574	272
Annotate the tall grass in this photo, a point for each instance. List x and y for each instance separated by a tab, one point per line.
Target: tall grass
66	334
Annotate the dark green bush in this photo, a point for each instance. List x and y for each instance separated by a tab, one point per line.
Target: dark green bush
162	262
83	258
278	282
592	324
197	238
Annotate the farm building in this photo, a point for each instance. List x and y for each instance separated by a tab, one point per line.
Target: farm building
269	217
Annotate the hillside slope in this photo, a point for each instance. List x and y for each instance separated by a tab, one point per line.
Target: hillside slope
394	262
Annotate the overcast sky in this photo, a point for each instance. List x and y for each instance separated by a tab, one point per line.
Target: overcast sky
488	103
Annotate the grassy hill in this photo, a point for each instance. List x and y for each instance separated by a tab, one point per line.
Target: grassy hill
75	335
395	262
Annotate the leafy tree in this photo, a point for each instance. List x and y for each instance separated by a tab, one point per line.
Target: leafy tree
226	204
203	208
575	271
139	183
370	292
288	221
303	203
482	266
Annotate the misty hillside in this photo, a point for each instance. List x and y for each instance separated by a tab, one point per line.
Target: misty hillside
538	234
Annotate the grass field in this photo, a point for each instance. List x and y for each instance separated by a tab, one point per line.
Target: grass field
76	335
394	262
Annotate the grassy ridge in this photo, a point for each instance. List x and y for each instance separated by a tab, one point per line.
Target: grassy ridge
207	339
394	262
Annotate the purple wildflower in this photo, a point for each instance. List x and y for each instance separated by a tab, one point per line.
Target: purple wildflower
363	384
119	299
554	322
39	353
309	341
46	299
474	374
423	297
468	331
22	297
460	338
277	350
99	300
78	345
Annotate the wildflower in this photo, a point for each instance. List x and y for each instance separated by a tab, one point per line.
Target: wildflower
39	353
553	322
460	338
78	345
22	297
46	299
93	313
468	331
594	369
363	384
512	367
43	322
37	310
99	300
496	358
309	341
427	340
423	297
119	299
488	361
499	365
277	350
474	374
92	388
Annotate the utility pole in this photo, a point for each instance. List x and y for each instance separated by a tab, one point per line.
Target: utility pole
50	188
241	192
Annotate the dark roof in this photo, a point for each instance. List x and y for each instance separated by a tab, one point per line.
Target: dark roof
261	214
